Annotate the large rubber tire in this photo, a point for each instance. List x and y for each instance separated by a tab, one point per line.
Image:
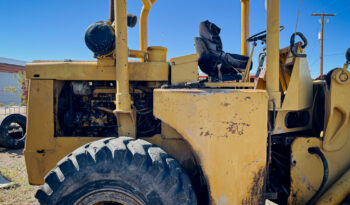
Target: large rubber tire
8	140
134	170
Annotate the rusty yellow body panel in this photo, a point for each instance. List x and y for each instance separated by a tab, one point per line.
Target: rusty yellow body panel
220	125
307	169
150	71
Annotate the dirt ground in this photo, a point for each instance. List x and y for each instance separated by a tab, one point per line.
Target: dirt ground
13	168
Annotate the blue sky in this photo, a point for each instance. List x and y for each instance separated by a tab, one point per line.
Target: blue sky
54	30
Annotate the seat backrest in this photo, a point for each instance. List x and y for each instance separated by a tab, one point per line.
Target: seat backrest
206	60
200	46
209	32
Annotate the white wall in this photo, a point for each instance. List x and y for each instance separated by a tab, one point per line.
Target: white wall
8	80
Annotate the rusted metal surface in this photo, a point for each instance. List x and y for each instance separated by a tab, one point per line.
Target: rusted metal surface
220	125
256	193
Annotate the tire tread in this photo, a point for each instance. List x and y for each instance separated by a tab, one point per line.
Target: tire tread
148	163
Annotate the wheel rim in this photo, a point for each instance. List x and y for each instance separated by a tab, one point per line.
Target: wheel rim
16	131
110	197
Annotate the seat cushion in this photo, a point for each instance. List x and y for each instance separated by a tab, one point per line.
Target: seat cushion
236	60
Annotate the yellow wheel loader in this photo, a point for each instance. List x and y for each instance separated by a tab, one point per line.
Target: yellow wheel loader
114	131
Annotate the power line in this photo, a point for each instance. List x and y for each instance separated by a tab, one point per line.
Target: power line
313	63
342	10
334	54
296	26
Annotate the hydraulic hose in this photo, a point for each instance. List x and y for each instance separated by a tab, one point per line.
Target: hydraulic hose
316	150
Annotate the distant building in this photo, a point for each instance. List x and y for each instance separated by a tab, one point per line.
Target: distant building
8	79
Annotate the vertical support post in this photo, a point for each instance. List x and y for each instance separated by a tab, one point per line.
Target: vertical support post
122	96
272	49
321	56
125	116
245	26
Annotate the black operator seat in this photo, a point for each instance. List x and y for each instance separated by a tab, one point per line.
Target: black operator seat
213	60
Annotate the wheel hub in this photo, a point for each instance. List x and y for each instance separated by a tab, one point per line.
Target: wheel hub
111	197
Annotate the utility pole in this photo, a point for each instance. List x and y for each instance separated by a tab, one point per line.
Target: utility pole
321	38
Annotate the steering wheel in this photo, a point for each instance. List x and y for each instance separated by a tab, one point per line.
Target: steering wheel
260	35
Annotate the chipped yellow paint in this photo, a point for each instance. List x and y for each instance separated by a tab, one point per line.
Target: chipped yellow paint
307	169
227	130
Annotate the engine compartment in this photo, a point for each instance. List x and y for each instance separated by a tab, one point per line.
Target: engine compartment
85	109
